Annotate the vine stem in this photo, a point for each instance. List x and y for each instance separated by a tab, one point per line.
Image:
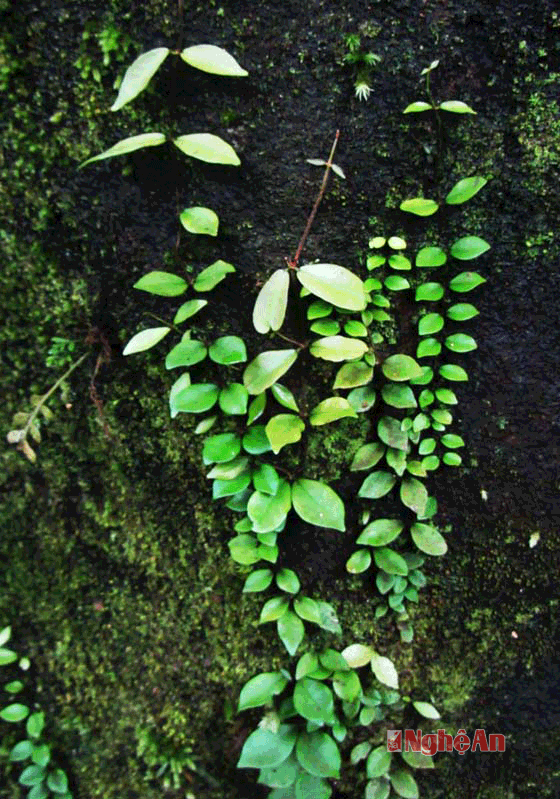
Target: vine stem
49	393
167	324
295	260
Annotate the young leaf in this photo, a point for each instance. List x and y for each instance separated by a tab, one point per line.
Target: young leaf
164	284
290	631
188	309
128	145
272	301
334	284
260	689
7	656
244	550
228	350
266	368
216	60
464	190
456	107
285	428
385	671
326	327
284	397
432	292
430	323
287	580
330	410
430	256
307	609
200	220
138	75
399	261
212	275
376	485
460	342
427	710
417	107
256	408
469	247
258	580
6	632
266	749
428	539
419	206
461	312
265	479
221	448
207	147
357	655
400	368
428	348
316	503
338	348
318	754
255	440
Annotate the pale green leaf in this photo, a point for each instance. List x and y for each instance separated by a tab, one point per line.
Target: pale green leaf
207	147
200	220
469	247
358	562
188	309
415	108
7	656
419	206
266	368
338	348
456	107
430	256
216	60
330	410
197	398
285	428
270	306
378	762
290	631
357	655
385	671
138	75
228	350
353	374
334	284
6	632
427	710
185	353
266	511
14	712
128	145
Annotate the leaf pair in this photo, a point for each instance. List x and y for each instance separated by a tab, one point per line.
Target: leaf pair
203	146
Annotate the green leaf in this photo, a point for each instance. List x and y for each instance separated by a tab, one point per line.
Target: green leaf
374	262
41	755
284	397
460	342
425	377
128	145
138	75
419	206
188	309
58	781
353	374
385	671
378	762
273	609
216	60
311	787
466	281
212	275
430	323
334	284
266	749
32	775
316	503
306	664
358	562
446	396
415	108
380	532
260	689
325	327
398	396
469	247
450	371
6	632
417	759
396	283
21	751
426	398
145	339
456	107
376	485
427	710
207	147
357	655
164	284
319	309
464	190
318	754
197	398
389	431
362	399
430	256
367	456
327	617
265	479
40	791
283	429
229	488
7	656
452	441
258	580
35	724
244	549
314	701
221	448
233	399
185	353
428	348
461	312
200	220
338	348
270	308
347	686
255	440
390	561
430	292
15	712
307	609
256	408
266	368
330	410
401	367
355	328
378	789
428	539
404	784
287	580
414	495
290	631
268	512
396	459
228	350
281	777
